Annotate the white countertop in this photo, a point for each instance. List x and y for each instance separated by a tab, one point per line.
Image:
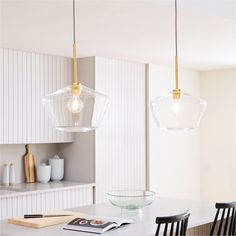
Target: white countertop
201	213
28	188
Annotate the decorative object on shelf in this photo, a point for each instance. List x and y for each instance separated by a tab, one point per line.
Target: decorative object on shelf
29	166
5	175
43	173
12	174
57	168
177	110
131	199
76	108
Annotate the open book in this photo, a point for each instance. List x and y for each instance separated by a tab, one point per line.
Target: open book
96	224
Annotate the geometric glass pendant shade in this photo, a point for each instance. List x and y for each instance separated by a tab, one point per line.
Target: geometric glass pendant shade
80	113
177	110
75	108
184	113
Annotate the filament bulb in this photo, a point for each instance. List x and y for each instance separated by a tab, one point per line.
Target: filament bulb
176	107
75	105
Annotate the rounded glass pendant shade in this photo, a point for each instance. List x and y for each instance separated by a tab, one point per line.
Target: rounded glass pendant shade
80	113
184	113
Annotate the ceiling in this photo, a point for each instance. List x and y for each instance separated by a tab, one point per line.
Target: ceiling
138	30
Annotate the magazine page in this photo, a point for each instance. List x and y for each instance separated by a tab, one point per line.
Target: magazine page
118	221
90	225
95	224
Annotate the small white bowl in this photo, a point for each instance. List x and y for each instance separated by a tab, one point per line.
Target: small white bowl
43	173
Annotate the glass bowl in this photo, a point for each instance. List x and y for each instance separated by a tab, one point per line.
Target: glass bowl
131	199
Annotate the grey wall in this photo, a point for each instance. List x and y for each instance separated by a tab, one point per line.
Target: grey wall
13	153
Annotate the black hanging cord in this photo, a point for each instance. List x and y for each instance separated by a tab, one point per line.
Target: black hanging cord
74	20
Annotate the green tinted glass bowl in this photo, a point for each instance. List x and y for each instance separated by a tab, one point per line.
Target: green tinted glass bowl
131	199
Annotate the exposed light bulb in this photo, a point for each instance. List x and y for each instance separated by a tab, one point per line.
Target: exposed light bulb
75	105
176	107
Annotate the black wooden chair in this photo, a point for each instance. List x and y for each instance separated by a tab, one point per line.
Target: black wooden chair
178	224
227	221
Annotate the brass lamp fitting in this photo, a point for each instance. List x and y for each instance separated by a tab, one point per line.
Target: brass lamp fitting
75	89
176	93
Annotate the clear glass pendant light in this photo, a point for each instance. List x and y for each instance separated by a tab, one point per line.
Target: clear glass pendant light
177	110
75	108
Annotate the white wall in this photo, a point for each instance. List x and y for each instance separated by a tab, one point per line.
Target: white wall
120	140
174	162
218	136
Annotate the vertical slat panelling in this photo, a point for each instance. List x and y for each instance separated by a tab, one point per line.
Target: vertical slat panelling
77	197
43	200
68	135
41	94
46	81
14	206
120	141
34	203
54	85
17	206
25	78
50	89
29	96
39	202
15	97
24	95
47	201
68	198
37	95
57	200
60	200
19	78
65	200
33	97
6	96
1	96
8	208
3	209
60	72
10	95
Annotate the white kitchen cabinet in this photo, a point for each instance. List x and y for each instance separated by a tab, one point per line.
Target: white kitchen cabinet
41	201
25	78
113	156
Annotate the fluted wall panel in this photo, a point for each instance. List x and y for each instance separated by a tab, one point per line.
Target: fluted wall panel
41	202
120	141
25	78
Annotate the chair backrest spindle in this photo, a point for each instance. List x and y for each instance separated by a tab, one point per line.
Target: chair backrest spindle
178	224
227	221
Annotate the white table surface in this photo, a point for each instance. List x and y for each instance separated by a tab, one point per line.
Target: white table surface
201	213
